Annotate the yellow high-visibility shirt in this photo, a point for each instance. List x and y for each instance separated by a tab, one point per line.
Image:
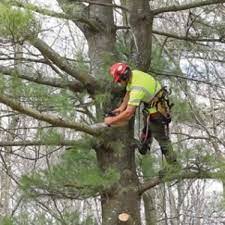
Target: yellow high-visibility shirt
142	88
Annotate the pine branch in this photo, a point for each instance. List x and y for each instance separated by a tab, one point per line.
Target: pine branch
175	8
54	120
148	184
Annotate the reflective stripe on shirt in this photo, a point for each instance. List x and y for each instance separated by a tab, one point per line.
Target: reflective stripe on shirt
148	95
142	87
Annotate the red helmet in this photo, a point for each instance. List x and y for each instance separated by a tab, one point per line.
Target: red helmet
119	72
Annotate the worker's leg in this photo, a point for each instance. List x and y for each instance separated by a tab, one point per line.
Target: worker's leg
160	133
145	141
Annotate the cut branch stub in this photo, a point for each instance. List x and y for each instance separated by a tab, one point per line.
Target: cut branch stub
125	218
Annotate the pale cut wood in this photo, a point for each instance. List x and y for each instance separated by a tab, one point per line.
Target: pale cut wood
124	217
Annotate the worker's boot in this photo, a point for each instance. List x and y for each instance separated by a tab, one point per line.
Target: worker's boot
143	148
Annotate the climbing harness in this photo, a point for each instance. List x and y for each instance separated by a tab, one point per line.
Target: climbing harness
163	106
161	102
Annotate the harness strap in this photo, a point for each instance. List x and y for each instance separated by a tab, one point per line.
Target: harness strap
147	127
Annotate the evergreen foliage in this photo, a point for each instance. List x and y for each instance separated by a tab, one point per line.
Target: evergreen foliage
41	97
148	165
181	110
49	136
38	218
16	23
75	176
6	221
159	61
123	49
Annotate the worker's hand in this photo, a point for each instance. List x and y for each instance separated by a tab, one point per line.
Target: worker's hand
117	111
108	120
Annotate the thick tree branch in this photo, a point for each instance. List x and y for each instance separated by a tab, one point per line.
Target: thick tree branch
182	176
74	86
175	8
54	120
89	82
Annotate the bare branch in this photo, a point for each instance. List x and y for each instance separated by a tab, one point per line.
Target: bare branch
175	8
37	143
182	76
186	38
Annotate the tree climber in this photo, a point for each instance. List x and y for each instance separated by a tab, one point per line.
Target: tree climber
143	88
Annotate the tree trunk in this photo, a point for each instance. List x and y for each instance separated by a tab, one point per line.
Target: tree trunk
114	150
141	21
123	197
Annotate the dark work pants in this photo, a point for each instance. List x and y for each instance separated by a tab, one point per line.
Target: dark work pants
157	128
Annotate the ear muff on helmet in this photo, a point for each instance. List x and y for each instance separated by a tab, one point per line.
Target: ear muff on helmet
126	75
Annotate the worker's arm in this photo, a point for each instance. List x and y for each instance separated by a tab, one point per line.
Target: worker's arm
122	117
123	105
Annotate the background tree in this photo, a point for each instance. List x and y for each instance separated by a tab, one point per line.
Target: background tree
61	86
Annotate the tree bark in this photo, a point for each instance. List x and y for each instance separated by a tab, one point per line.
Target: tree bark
141	21
124	196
